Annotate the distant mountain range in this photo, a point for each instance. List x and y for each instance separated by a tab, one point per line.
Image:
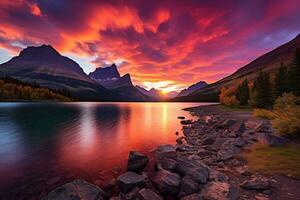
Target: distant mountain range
192	88
269	62
44	66
109	77
157	95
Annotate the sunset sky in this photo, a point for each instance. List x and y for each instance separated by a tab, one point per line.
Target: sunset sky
162	44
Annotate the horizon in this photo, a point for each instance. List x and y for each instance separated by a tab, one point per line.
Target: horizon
211	40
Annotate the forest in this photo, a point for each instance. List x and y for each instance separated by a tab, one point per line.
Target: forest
12	90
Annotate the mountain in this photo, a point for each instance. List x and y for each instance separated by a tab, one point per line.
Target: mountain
109	77
153	93
44	66
156	94
106	73
192	88
269	62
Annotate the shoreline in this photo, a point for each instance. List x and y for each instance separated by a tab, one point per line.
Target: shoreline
202	164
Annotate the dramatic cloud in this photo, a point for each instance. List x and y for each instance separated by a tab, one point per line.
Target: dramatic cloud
164	44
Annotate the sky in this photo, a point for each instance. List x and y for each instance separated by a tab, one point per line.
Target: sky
165	44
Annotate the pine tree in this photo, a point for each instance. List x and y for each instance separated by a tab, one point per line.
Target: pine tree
243	93
294	74
280	82
263	91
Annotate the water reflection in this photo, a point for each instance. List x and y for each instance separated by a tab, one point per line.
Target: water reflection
79	139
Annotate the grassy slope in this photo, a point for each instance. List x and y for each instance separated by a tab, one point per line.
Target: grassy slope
275	160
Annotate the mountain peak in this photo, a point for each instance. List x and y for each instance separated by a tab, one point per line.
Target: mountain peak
193	88
43	51
110	72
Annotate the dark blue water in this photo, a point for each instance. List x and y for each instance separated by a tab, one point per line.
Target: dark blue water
43	145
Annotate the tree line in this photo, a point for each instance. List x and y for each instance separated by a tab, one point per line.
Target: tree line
12	89
263	91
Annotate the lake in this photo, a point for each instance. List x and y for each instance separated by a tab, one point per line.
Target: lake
43	145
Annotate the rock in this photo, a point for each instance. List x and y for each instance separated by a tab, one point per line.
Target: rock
256	184
272	140
111	187
186	122
165	151
228	123
267	192
136	161
239	142
129	180
261	197
166	182
166	163
77	189
147	194
188	186
132	195
208	141
181	117
193	168
219	191
224	154
194	196
263	127
215	175
237	129
179	141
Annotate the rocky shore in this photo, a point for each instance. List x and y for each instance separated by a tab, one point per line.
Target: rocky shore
204	164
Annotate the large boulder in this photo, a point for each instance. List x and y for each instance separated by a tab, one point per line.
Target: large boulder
220	191
188	186
192	168
165	151
136	161
166	182
77	189
147	194
166	163
256	183
129	180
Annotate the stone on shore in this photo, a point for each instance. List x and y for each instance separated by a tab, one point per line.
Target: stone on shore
165	151
219	191
129	180
186	122
147	194
256	183
193	168
188	186
166	182
77	189
137	161
166	163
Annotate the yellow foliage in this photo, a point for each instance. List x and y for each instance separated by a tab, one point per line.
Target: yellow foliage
264	113
285	116
13	91
227	97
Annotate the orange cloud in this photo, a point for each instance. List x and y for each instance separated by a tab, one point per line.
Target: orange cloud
154	41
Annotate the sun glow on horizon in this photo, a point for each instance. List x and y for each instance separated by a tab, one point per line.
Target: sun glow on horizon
164	86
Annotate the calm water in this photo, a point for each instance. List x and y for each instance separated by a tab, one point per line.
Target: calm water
43	145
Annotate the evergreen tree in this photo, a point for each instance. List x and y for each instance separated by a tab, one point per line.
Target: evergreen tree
294	74
280	82
263	91
243	93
